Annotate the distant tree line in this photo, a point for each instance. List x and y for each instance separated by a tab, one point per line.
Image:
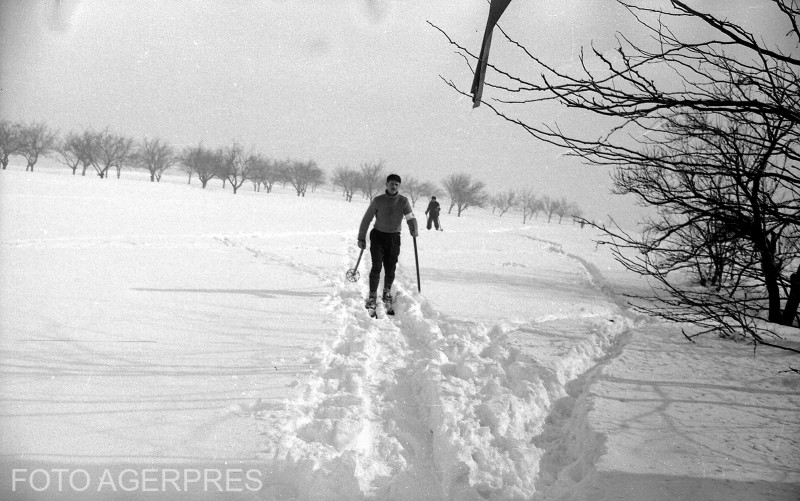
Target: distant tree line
531	205
104	152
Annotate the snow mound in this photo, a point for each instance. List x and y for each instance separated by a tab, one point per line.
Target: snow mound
422	405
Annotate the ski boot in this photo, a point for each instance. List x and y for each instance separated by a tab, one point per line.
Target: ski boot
388	302
371	305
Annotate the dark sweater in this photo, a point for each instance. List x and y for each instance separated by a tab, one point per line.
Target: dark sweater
388	211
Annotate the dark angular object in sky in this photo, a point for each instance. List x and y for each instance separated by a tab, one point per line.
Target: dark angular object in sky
496	9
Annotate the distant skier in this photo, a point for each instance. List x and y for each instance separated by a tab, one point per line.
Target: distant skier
433	213
388	211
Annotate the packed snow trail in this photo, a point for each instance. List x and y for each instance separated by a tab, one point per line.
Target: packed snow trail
147	324
422	405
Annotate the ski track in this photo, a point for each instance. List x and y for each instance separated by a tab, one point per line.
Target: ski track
423	406
277	259
148	240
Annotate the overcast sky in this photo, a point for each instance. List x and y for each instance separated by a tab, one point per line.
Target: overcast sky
341	82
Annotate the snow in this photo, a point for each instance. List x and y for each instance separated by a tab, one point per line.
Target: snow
170	331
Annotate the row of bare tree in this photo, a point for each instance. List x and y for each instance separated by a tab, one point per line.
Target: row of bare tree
30	141
462	190
702	119
236	165
98	150
103	151
531	205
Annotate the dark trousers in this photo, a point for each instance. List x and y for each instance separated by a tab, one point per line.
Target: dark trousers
384	249
433	218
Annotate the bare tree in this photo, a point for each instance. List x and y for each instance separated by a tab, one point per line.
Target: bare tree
263	173
201	161
69	152
504	201
86	147
10	141
564	207
416	189
727	217
430	189
155	157
372	179
348	179
703	124
235	165
549	206
272	175
110	150
318	179
302	174
413	188
464	192
576	214
526	198
36	140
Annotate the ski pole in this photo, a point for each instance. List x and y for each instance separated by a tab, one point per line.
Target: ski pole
416	262
352	274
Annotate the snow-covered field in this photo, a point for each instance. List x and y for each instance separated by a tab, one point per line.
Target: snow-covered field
160	341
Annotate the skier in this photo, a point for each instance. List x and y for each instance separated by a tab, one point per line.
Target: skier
433	214
388	211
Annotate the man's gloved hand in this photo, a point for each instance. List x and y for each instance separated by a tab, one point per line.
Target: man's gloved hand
362	244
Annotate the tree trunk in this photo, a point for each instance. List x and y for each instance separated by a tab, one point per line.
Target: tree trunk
769	272
790	311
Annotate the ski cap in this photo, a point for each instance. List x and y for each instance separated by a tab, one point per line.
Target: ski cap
393	177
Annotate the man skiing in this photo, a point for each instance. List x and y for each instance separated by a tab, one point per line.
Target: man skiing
433	213
388	210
